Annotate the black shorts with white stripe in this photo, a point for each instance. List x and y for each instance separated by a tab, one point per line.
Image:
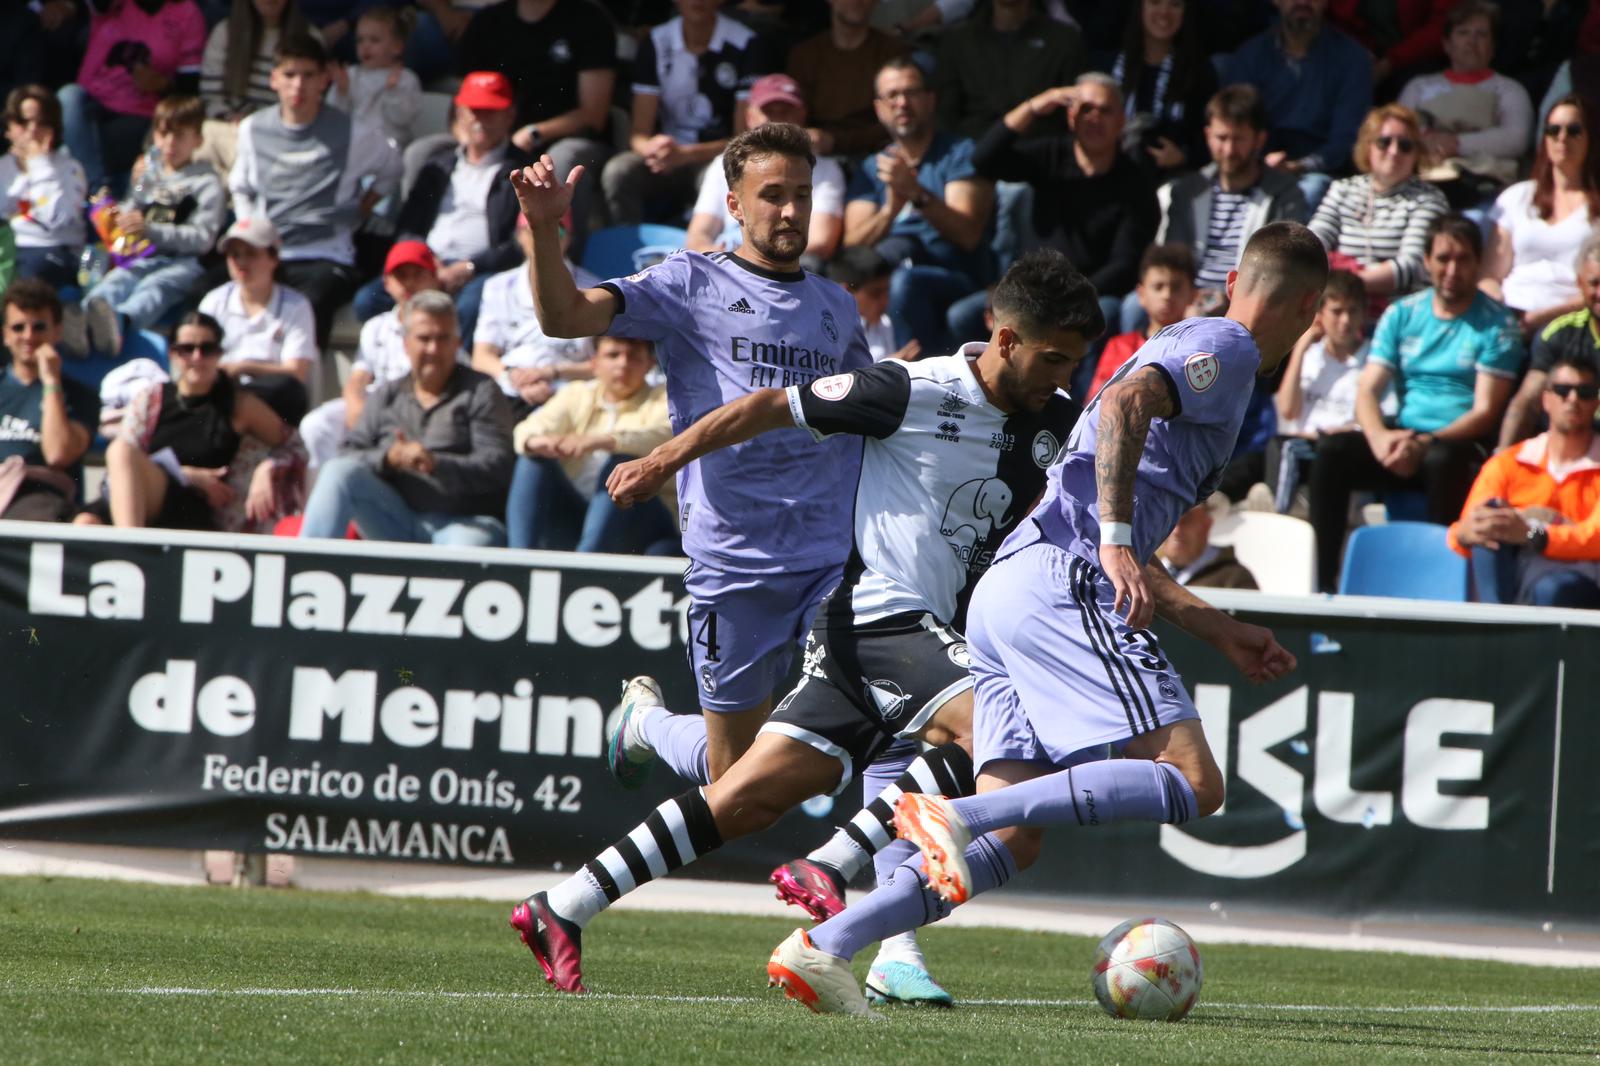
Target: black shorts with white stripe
864	685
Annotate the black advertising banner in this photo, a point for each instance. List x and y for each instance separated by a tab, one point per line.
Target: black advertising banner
418	704
1405	766
380	701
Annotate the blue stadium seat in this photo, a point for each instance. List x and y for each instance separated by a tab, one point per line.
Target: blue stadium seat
622	250
1408	560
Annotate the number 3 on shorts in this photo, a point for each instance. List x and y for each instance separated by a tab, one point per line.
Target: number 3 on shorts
706	637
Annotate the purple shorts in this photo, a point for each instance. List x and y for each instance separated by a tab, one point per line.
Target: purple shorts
1055	669
744	628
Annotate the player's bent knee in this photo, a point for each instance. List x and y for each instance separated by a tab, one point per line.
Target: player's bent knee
1024	842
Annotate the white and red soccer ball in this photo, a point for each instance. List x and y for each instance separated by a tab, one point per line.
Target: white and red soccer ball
1148	969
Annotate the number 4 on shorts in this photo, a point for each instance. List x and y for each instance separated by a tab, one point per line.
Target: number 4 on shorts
706	637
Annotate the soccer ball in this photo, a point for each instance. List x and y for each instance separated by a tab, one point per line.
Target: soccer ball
1149	969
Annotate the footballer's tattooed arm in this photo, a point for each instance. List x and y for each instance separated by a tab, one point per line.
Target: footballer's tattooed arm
748	416
1126	411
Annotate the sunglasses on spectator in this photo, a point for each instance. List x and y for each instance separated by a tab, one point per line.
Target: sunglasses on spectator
1404	145
1585	392
1571	129
206	348
35	326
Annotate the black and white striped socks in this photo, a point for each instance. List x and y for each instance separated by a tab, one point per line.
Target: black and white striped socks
675	834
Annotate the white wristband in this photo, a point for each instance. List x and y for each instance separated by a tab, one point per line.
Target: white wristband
1119	534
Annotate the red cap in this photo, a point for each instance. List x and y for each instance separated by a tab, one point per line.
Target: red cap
775	87
414	252
485	90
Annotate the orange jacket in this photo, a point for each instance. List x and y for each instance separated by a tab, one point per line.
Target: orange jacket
1519	476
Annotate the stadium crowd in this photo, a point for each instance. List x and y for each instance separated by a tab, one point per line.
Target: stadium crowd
254	179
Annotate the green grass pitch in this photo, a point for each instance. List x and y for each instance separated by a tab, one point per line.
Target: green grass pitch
100	972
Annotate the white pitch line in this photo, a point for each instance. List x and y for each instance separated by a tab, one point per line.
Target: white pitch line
402	993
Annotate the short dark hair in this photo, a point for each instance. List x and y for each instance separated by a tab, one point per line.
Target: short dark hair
1467	10
32	294
179	113
300	46
1582	363
1345	287
201	319
1240	105
1175	257
1458	227
772	138
857	265
1043	292
1285	256
49	109
900	62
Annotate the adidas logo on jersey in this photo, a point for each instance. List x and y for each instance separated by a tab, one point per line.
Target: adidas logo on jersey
741	306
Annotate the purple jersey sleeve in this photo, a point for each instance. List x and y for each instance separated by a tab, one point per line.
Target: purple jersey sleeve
1208	371
652	303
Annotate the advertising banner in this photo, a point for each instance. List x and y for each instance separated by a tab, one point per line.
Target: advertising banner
418	704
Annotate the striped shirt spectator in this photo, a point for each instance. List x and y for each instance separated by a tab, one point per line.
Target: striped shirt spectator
1375	224
1372	226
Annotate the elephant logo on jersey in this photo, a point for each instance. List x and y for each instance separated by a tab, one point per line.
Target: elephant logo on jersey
959	655
561	52
811	665
830	327
1045	447
888	698
835	387
975	510
1201	370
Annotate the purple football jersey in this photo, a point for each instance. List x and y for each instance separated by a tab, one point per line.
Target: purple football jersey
1211	364
724	328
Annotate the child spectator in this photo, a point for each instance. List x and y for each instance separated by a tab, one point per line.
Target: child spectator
268	330
178	206
567	448
340	169
1318	394
42	189
1165	291
236	72
380	91
866	274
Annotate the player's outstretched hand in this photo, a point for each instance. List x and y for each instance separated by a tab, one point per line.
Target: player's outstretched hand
542	196
635	481
1256	652
1128	581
